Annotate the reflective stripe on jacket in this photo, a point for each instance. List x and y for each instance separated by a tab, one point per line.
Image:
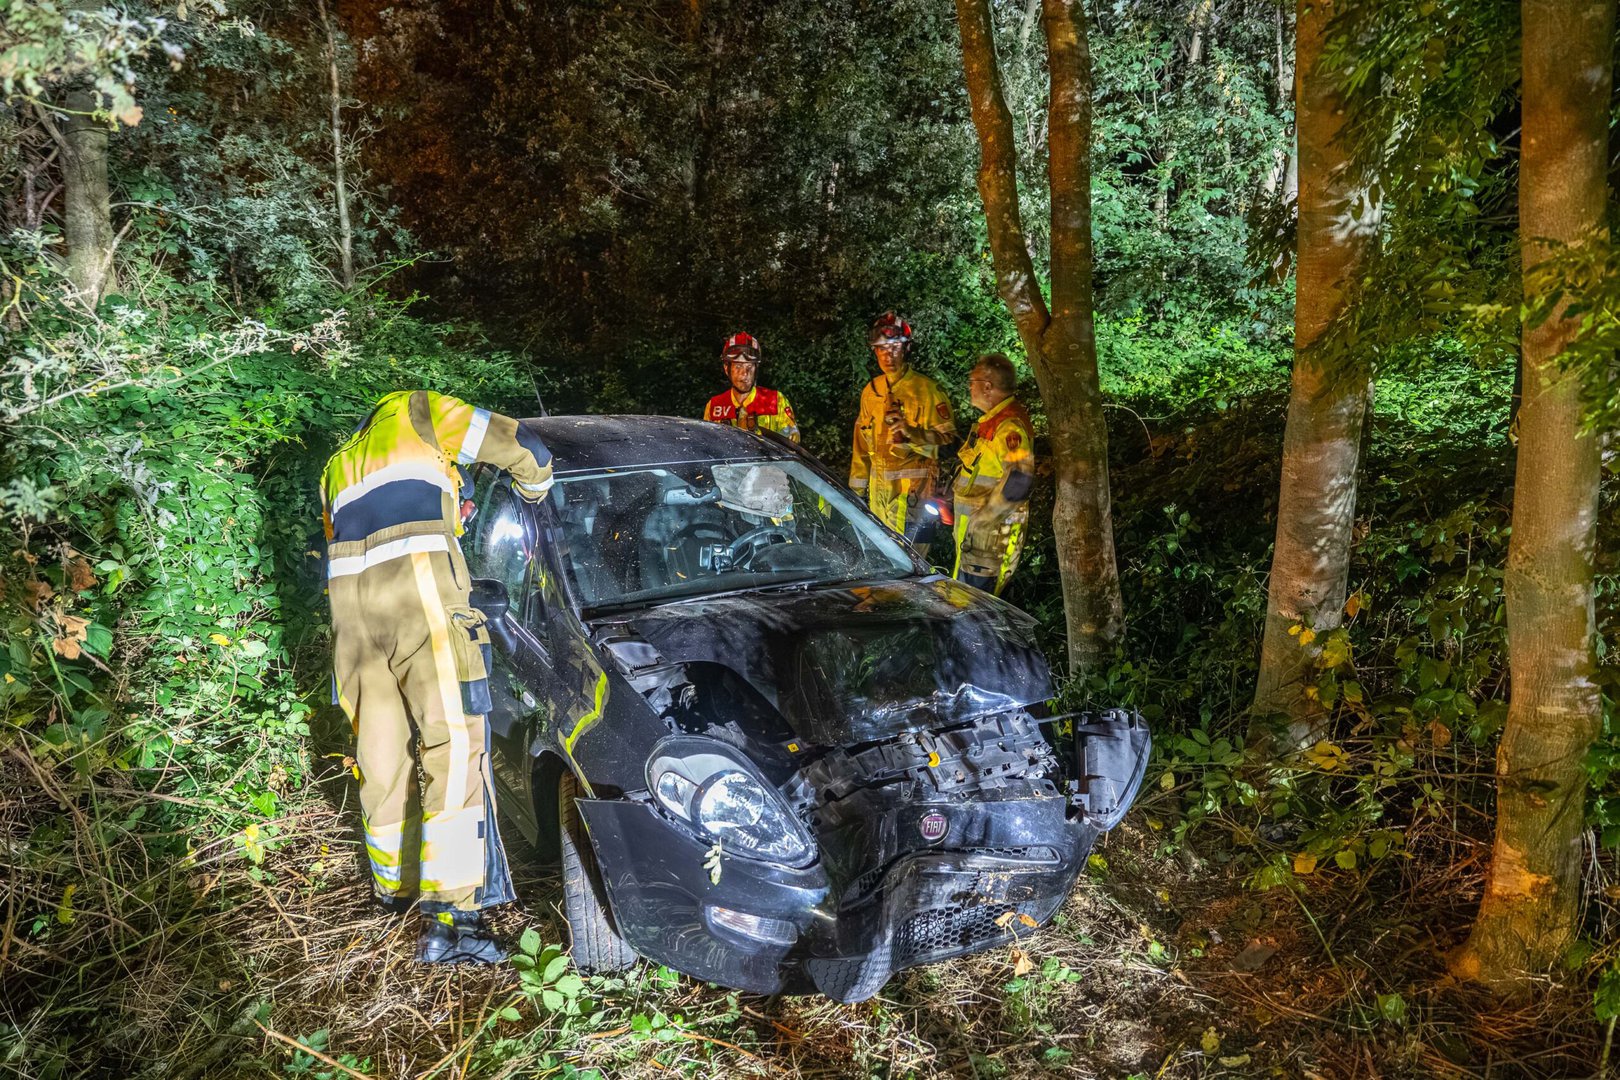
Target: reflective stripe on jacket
992	493
399	471
1000	445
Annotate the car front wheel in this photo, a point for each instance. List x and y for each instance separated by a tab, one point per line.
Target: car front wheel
594	943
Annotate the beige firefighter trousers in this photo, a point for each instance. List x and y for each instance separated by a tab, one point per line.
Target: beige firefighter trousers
411	667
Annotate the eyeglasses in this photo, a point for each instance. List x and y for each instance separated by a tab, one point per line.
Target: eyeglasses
981	382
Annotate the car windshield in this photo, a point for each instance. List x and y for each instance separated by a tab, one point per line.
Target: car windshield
633	537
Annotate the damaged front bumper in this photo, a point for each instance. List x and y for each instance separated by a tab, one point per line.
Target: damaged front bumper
932	845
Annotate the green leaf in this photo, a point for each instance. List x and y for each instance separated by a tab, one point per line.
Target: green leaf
1606	999
1392	1007
529	942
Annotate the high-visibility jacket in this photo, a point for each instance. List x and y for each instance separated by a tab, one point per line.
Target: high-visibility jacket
398	471
758	410
896	474
991	494
410	653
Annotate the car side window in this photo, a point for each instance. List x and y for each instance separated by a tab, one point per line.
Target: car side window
502	546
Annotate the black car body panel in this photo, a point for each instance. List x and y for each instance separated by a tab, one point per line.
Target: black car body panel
866	662
896	719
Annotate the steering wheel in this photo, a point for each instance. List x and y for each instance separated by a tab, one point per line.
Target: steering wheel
681	549
742	549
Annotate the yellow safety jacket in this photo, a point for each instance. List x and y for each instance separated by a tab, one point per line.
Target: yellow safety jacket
398	472
759	410
991	494
898	476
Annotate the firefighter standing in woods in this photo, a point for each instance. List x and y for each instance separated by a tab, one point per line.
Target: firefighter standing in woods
748	405
904	420
411	655
994	480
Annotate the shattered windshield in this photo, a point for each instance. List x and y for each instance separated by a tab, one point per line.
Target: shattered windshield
640	536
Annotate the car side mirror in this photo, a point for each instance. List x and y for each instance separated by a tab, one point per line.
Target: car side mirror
490	597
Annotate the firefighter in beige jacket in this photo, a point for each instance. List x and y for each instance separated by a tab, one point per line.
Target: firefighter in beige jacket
905	419
411	655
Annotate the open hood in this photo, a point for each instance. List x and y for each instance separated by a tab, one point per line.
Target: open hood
850	664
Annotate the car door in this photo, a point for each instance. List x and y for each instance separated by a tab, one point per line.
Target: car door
503	549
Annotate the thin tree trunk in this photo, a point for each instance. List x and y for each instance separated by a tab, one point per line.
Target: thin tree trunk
1322	443
1059	340
1527	917
1283	174
86	201
345	229
1066	366
1032	9
1200	20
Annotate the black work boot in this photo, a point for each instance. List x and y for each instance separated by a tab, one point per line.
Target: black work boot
457	937
394	905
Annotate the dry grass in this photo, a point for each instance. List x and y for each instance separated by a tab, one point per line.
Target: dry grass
1163	967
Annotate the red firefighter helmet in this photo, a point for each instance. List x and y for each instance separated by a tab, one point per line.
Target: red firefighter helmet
889	329
740	346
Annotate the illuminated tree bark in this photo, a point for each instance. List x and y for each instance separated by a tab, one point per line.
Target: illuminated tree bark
1316	503
1527	917
1059	339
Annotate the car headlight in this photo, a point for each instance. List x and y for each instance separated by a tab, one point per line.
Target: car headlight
703	784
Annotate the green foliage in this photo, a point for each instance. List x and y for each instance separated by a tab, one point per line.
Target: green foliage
45	44
618	190
1606	998
543	971
304	1064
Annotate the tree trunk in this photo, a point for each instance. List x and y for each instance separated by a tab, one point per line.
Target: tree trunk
1316	503
1284	176
86	202
345	230
1527	916
1059	340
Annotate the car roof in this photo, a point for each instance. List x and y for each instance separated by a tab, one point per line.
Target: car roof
591	443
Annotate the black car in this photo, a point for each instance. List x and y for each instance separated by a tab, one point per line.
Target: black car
802	758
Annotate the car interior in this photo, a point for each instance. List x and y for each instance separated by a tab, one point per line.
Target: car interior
644	532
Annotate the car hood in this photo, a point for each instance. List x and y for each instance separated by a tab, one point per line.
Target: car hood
850	664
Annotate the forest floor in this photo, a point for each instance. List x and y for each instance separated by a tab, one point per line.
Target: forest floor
1157	967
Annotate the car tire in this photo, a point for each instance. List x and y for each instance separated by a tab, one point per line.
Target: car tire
594	943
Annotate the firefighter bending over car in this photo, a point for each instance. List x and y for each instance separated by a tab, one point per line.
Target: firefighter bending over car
904	420
748	405
411	656
993	484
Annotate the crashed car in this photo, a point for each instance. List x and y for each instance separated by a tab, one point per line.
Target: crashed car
769	746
